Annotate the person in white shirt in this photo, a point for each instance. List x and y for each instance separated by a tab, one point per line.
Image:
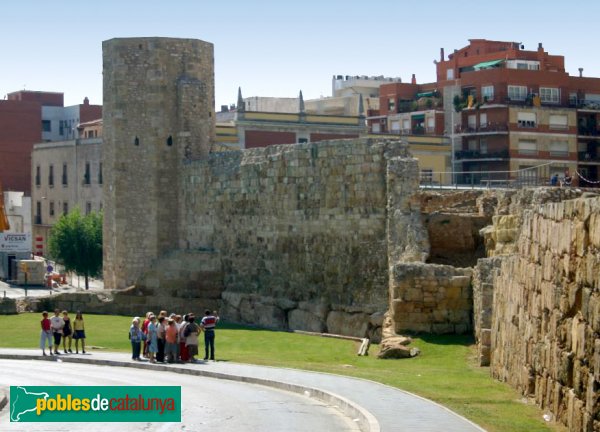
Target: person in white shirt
56	325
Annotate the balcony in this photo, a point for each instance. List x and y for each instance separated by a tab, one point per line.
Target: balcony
588	157
490	128
473	154
588	132
585	104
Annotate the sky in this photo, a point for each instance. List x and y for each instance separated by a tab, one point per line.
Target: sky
279	47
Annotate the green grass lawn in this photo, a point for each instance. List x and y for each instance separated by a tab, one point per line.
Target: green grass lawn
444	372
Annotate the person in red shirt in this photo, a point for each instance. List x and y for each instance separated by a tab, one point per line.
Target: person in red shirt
208	324
46	333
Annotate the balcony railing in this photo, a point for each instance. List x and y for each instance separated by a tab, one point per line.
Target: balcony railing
586	131
587	157
585	104
490	127
473	154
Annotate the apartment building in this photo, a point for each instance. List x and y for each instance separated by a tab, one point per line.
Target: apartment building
510	114
65	174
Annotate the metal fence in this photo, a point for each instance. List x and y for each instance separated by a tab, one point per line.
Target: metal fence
526	177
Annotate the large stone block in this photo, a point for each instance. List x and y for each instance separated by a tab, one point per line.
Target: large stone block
348	324
299	319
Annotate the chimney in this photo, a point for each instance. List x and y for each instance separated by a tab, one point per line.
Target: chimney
441	54
86	101
413	79
540	47
580	72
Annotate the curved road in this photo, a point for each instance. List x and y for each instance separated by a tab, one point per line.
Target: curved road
208	404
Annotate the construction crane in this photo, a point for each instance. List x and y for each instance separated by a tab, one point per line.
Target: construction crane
3	219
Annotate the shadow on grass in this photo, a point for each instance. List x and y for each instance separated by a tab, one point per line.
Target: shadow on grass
234	326
450	339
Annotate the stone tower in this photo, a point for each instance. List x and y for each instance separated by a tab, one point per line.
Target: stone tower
158	112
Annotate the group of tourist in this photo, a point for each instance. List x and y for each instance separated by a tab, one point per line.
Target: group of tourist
172	338
58	328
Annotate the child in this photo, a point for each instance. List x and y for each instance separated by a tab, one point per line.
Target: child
46	333
79	328
67	332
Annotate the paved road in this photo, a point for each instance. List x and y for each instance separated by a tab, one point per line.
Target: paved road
393	409
16	291
208	404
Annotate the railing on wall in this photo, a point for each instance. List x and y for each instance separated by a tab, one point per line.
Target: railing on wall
526	177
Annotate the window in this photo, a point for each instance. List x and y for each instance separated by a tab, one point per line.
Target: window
528	147
61	128
517	92
521	65
302	140
392	104
51	208
472	121
38	176
487	93
572	98
65	179
549	95
426	175
88	208
450	74
483	120
100	173
65	207
51	176
46	126
395	127
406	125
376	128
86	176
38	213
526	120
558	121
559	148
483	146
472	145
430	124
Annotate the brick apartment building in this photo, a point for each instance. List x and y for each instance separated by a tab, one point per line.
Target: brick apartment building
29	117
513	112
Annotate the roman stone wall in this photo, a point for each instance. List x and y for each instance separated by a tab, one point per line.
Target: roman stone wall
483	297
305	232
546	312
431	298
158	111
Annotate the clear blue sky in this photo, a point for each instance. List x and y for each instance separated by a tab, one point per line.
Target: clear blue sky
278	47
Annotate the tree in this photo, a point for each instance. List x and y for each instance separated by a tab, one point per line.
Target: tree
76	242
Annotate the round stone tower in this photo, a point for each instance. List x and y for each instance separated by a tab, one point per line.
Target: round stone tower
158	112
